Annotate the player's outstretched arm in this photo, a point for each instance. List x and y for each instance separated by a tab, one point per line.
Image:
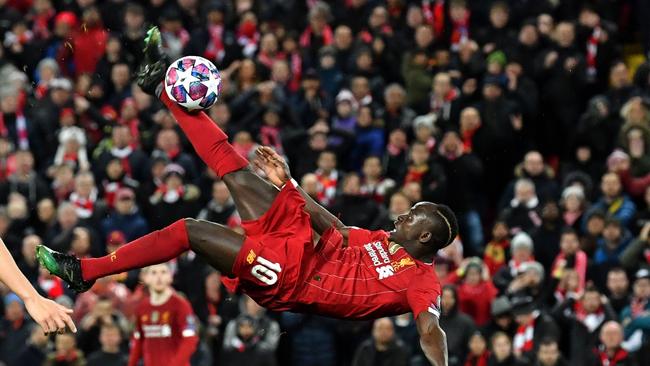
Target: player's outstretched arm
51	316
278	173
432	339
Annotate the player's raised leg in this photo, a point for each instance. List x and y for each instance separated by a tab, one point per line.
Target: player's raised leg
217	244
252	195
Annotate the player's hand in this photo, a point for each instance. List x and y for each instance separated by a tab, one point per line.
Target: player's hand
273	165
51	316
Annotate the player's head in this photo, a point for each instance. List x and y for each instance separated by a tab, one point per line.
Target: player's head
426	228
158	277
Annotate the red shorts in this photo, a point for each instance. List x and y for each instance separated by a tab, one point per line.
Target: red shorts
276	251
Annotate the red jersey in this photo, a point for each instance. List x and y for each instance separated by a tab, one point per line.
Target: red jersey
279	267
165	334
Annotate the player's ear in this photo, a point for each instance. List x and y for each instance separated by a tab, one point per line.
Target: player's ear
425	236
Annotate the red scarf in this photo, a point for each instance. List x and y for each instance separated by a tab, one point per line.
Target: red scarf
523	340
295	63
495	255
215	49
416	173
592	51
327	186
460	32
110	190
248	37
637	306
581	315
620	355
580	266
434	15
84	206
41	20
468	136
327	35
481	360
21	129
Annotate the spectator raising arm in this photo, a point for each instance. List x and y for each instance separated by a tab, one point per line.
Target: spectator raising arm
51	316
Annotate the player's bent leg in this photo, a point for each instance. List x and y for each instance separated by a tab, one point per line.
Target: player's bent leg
218	245
157	247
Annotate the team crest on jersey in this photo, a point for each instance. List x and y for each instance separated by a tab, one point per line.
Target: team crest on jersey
165	317
154	317
402	263
251	257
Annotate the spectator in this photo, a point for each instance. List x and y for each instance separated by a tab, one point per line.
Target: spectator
533	327
16	329
28	264
458	325
521	251
547	235
383	348
618	288
522	214
355	208
542	177
312	339
570	257
478	351
126	218
267	329
573	205
36	348
121	146
476	292
614	241
636	317
65	352
501	320
549	354
221	208
634	255
610	351
242	346
110	337
496	251
328	177
614	201
174	198
396	114
501	350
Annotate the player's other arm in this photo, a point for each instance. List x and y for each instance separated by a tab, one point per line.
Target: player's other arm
432	338
277	171
49	315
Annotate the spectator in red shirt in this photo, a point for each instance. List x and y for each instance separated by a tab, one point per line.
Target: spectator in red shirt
476	292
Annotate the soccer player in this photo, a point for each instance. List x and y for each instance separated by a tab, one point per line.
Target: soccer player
51	316
350	273
166	328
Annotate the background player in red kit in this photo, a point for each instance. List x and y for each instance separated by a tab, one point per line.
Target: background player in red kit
165	328
351	273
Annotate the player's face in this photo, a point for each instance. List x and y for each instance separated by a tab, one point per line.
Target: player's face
158	278
410	226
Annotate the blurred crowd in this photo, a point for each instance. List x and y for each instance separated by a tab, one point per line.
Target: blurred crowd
529	118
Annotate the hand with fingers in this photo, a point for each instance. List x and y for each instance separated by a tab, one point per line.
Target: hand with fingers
51	316
273	165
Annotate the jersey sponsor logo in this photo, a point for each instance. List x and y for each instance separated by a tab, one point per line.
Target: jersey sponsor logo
266	271
157	331
402	263
393	247
385	271
250	258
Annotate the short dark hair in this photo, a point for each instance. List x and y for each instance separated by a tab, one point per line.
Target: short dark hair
548	341
569	231
444	228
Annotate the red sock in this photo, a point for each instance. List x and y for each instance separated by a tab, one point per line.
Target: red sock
207	138
153	248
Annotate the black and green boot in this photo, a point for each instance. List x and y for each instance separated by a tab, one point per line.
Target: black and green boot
152	69
65	266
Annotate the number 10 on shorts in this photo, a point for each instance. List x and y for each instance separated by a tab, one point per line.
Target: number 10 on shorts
266	271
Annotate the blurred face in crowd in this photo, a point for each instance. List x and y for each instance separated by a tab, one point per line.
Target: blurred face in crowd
397	138
383	331
158	278
247	70
564	34
545	24
457	12
213	287
84	184
595	225
491	92
80	244
65	343
611	185
344	108
500	231
612	234
617	283
114	169
378	17
14	311
9	103
110	338
413	190
636	143
423	36
573	203
360	87
133	20
220	193
343	37
499	16
414	16
399	204
318	141
470	119
29	246
521	253
67	216
125	205
372	168
501	346
472	276
589	18
220	113
524	191
269	43
528	35
441	85
280	71
309	184
364	117
636	111
448	300
419	154
548	354
120	76
619	76
569	243
245	330
477	344
451	142
534	164
611	335
167	140
121	136
38	337
363	61
423	133
24	161
352	185
591	301
642	288
327	161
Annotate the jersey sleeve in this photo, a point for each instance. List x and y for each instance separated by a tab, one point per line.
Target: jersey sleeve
424	294
187	324
359	237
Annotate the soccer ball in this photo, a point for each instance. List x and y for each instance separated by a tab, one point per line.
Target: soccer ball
193	82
